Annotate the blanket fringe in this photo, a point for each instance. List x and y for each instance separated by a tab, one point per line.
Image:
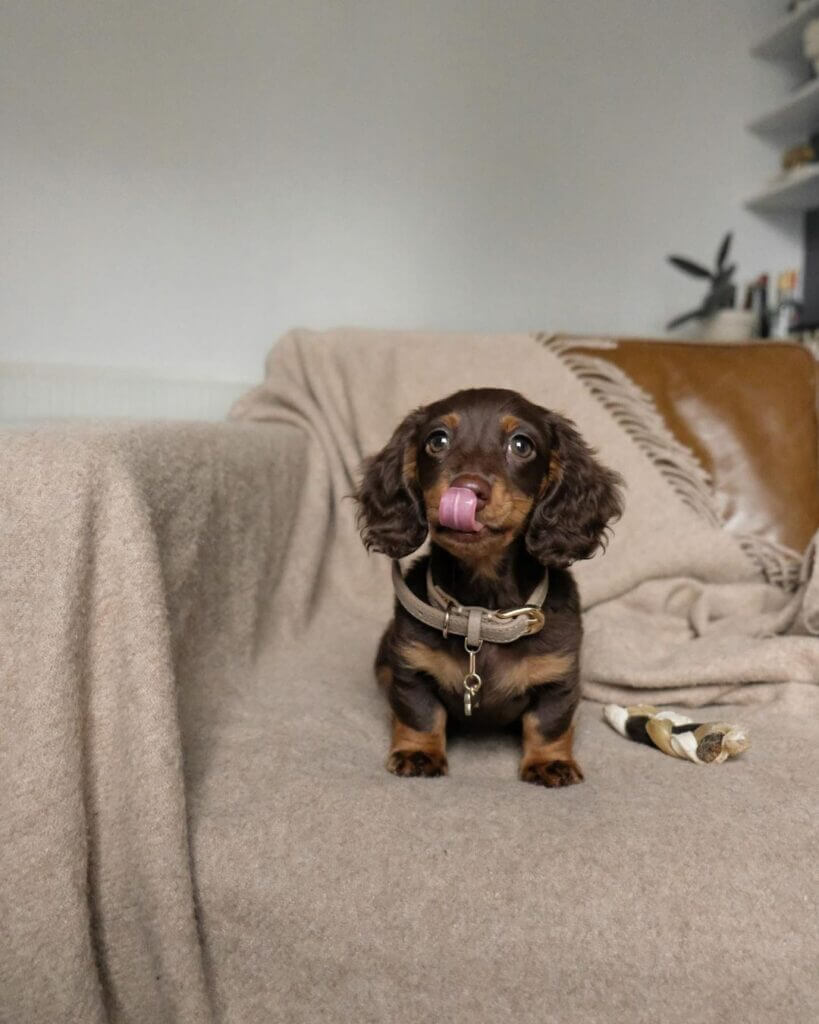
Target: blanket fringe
634	410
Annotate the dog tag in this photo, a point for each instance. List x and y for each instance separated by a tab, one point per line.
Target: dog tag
472	684
472	681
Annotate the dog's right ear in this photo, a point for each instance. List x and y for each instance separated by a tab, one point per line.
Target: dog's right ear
391	514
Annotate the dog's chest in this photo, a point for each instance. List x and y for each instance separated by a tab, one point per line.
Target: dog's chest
507	672
502	694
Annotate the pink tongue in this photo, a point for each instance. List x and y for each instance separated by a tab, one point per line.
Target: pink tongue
457	510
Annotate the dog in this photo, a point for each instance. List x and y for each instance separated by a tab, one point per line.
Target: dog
541	501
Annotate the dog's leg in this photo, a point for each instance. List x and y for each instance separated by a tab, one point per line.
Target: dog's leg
547	737
418	744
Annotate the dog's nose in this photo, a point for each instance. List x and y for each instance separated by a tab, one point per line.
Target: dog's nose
477	484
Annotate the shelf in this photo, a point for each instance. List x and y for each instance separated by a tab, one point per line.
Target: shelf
799	191
797	116
784	41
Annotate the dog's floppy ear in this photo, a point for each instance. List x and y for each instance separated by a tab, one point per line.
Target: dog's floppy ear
579	500
391	514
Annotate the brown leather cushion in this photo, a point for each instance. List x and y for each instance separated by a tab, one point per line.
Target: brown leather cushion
749	413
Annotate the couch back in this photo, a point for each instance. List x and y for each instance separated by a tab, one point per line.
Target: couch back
749	412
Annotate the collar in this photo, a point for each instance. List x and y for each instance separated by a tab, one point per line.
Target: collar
472	622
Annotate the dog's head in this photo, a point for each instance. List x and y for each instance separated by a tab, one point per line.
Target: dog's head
530	470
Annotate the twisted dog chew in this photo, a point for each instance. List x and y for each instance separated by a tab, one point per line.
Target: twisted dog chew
676	734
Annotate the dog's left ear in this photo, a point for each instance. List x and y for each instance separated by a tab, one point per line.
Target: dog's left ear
581	497
391	514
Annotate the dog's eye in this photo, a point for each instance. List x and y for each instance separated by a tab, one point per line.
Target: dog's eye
437	442
521	446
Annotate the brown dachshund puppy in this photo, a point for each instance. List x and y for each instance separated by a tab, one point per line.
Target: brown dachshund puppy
542	501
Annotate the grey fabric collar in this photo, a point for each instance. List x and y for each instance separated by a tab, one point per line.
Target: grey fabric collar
473	622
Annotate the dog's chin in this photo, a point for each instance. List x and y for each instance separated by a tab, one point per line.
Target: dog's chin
467	545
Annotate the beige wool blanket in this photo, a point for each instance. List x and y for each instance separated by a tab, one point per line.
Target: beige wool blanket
679	609
195	821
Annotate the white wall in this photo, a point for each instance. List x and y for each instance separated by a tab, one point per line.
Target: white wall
182	181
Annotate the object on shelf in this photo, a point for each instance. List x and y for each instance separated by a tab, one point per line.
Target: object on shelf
804	153
757	302
810	42
786	314
722	292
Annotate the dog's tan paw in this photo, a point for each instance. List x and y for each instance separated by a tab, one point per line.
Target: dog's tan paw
552	773
416	763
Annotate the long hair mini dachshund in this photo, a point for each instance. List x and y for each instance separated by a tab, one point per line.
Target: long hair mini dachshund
487	627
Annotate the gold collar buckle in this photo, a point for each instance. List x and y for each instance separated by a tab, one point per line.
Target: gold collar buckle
534	615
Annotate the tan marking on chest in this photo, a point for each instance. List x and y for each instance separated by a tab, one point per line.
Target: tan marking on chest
447	670
502	682
523	673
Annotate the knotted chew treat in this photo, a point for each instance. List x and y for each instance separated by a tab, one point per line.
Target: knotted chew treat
457	509
674	734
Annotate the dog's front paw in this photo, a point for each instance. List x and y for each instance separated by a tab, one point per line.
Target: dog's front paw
552	773
416	763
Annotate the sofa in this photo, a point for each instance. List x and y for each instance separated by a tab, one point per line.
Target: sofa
196	824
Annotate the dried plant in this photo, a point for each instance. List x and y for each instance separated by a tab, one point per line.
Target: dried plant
722	292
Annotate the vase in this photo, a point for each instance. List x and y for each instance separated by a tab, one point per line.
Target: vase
730	325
